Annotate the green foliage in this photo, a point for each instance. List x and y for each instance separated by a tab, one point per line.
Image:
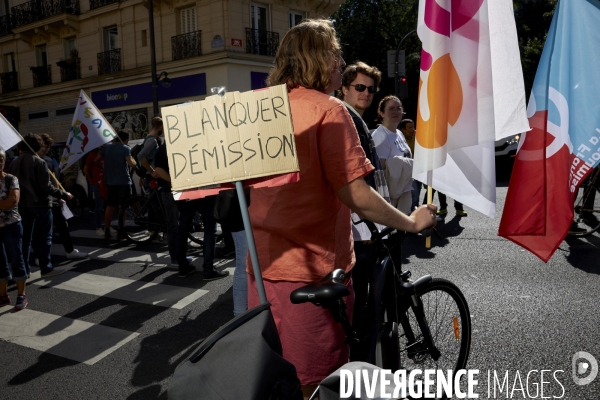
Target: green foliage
368	29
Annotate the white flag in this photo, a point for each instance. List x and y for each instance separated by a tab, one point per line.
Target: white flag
89	130
471	93
8	134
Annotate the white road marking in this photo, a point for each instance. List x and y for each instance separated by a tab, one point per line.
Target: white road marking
65	337
122	289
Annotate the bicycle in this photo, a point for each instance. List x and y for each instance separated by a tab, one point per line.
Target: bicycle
586	217
423	324
144	217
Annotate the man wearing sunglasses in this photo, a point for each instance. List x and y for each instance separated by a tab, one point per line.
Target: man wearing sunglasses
359	84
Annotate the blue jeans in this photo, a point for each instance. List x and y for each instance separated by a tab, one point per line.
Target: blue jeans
172	214
99	206
187	211
37	232
240	277
11	238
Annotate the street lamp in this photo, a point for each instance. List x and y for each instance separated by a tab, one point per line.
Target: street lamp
153	59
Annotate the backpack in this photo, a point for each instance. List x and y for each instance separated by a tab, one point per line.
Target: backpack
135	151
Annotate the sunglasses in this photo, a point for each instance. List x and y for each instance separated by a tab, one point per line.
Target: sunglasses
361	88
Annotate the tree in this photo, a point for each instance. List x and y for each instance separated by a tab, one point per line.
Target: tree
368	29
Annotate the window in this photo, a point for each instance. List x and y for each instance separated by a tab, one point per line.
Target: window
36	115
41	56
111	38
295	18
64	112
260	17
188	20
144	38
9	62
69	48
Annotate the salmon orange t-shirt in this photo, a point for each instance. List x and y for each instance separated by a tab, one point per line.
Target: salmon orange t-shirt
302	230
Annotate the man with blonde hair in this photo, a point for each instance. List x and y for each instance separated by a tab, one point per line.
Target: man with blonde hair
303	246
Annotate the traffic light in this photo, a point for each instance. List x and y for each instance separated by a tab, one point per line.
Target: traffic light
403	87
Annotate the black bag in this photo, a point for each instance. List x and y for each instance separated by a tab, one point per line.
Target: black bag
227	210
242	360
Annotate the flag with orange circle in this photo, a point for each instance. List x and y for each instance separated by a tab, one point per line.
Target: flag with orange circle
471	93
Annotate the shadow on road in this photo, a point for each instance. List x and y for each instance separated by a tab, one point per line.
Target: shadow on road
129	319
162	352
583	253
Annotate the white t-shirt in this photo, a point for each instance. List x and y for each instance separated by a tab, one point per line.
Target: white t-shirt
390	144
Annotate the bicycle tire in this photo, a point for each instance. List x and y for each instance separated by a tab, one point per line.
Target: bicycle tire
444	306
582	224
137	214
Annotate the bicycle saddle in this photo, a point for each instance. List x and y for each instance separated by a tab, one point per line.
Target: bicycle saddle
328	289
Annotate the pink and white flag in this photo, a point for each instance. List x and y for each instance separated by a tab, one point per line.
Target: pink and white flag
471	93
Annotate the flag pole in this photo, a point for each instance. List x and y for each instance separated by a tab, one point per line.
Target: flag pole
260	287
50	172
429	201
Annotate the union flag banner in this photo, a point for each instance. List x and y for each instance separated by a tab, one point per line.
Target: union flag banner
8	134
89	130
471	93
556	156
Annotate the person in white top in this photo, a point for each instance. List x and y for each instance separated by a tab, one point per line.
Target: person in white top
394	153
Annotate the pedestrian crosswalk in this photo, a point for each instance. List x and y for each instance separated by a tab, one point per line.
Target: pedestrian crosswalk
101	276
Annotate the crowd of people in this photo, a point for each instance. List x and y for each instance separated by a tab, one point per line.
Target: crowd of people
347	173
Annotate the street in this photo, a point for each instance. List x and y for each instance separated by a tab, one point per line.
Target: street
117	325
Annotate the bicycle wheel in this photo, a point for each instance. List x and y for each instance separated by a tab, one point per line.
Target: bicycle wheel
586	218
140	220
447	315
196	233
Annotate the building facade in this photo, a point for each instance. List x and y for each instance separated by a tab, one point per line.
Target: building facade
51	49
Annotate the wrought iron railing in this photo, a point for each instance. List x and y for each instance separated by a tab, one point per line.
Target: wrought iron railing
42	75
109	61
69	69
186	45
5	25
261	42
37	10
101	3
9	82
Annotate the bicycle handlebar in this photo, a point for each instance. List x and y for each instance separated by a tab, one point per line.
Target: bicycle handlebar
377	235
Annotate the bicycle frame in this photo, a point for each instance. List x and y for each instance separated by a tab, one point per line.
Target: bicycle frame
160	224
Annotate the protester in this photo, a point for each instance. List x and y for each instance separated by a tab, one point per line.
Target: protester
35	203
94	172
161	174
394	152
407	127
187	212
302	229
443	210
117	160
11	238
60	223
150	145
359	83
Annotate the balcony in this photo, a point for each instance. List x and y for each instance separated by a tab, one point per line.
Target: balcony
9	81
37	10
109	61
69	69
42	76
261	42
5	25
101	3
186	45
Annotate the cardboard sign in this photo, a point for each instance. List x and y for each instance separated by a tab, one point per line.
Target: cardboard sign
230	138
